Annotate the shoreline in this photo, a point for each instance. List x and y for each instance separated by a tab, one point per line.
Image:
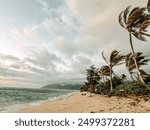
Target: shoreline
78	103
17	107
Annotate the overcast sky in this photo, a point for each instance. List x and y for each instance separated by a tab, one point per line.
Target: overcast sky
54	41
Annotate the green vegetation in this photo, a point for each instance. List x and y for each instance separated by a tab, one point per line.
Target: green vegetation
121	87
131	88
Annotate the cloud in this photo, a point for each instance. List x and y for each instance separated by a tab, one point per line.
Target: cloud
47	4
85	9
55	41
63	46
49	24
9	57
41	68
43	59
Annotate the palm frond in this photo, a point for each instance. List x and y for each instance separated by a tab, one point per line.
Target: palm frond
113	55
138	54
139	36
125	14
144	73
141	60
144	26
133	16
144	61
148	6
142	18
105	70
133	11
121	21
104	58
115	58
136	21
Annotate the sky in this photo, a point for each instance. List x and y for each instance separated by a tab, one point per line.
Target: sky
54	41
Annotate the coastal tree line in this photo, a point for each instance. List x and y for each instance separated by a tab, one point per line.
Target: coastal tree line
103	79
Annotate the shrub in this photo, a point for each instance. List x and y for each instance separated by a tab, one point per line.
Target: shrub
131	88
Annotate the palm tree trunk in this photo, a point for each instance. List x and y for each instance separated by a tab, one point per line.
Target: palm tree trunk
133	53
111	85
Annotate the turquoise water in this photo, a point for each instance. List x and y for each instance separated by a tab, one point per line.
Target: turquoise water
13	96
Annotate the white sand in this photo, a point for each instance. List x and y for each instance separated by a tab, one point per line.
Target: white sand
85	104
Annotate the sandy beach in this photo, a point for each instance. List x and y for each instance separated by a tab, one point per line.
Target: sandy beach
79	103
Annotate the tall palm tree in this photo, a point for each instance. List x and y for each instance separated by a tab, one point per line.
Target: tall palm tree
136	22
114	60
130	64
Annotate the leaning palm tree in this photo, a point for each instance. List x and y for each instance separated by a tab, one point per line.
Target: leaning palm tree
130	64
136	23
115	59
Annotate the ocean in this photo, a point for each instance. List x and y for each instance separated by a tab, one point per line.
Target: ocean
11	99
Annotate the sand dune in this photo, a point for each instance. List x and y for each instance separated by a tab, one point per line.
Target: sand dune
79	103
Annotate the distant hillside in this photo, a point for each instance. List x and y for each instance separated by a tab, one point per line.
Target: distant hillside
63	86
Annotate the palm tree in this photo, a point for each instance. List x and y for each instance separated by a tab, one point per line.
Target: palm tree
114	60
104	71
130	64
136	23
